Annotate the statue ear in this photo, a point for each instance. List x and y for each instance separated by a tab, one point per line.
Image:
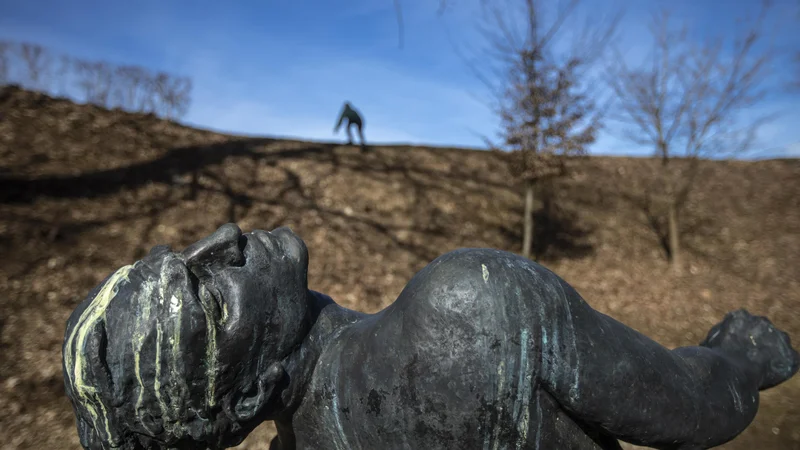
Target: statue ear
249	404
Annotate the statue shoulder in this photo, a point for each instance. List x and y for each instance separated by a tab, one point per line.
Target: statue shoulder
462	278
481	264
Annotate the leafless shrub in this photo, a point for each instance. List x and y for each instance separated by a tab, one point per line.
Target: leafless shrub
172	95
129	87
96	81
37	63
131	93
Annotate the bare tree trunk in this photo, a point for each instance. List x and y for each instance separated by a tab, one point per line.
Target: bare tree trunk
674	242
527	237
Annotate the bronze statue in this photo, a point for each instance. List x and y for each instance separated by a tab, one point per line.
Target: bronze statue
483	349
352	117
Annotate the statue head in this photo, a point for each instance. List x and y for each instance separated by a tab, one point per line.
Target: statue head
184	349
767	349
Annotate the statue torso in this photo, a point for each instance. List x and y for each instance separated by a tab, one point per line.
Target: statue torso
453	363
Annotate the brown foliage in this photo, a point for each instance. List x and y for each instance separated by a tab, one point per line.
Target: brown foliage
544	102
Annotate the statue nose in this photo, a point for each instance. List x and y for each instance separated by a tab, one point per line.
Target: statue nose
220	249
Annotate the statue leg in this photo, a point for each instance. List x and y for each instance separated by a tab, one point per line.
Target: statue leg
349	134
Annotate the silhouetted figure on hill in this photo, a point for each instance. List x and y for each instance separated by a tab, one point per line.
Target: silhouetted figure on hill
353	118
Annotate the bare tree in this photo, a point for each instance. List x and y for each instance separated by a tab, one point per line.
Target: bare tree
37	63
181	97
64	74
172	94
131	89
685	102
547	109
134	89
96	79
5	50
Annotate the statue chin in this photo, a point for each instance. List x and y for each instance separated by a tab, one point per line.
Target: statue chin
482	349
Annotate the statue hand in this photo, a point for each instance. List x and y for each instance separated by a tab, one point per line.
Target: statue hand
756	342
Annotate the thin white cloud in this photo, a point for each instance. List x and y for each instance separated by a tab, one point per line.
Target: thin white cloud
261	80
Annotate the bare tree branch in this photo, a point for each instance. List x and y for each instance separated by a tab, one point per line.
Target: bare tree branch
131	88
37	64
686	99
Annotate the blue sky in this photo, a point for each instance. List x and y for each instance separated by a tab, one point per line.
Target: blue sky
268	67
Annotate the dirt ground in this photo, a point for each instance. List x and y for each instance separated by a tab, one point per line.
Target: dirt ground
84	190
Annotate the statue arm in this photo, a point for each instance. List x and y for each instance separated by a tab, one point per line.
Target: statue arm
642	392
339	121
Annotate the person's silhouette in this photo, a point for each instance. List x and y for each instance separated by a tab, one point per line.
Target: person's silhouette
353	118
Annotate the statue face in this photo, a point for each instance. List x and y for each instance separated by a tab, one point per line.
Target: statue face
184	348
255	285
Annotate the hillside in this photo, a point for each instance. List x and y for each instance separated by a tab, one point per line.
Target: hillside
85	190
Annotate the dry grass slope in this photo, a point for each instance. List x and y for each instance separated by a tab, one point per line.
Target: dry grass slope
84	190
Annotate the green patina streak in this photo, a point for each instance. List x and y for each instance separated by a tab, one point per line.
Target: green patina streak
500	393
139	335
211	346
176	309
74	358
157	378
138	372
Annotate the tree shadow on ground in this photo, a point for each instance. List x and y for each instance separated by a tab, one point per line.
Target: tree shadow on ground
174	163
558	234
655	219
197	169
